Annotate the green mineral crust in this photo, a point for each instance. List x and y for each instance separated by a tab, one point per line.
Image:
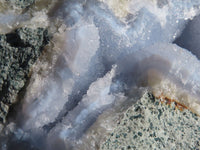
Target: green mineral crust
18	51
149	124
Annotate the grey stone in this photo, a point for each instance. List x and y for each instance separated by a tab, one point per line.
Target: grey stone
18	51
150	124
22	3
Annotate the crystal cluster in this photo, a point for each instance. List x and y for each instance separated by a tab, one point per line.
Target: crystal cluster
102	56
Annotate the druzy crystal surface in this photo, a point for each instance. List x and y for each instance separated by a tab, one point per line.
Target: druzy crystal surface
99	74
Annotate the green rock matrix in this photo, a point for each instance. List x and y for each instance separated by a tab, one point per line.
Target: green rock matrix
148	124
18	51
21	3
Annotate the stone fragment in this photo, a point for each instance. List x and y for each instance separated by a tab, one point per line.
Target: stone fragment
18	51
22	3
150	124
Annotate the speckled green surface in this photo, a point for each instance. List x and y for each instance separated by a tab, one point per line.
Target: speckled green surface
148	124
18	52
22	3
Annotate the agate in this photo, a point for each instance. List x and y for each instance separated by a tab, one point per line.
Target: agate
102	56
95	40
162	69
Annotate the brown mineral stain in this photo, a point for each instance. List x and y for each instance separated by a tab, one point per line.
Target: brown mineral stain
178	106
168	101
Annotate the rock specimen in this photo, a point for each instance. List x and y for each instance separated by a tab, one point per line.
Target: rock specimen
93	41
150	124
102	52
18	51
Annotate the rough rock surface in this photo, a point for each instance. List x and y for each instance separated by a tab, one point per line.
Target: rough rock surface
21	3
18	51
149	124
